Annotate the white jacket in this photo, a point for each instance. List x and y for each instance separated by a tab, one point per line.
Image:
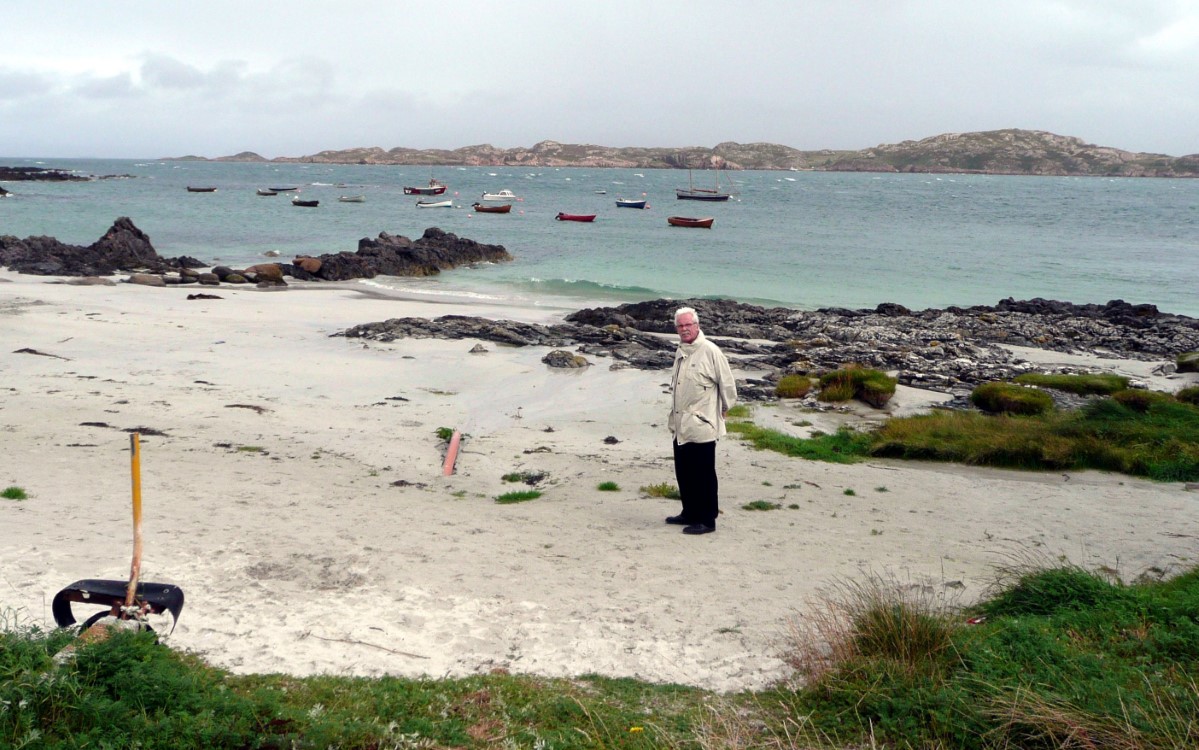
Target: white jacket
702	389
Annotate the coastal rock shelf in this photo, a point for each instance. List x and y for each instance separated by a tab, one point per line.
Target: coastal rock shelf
949	350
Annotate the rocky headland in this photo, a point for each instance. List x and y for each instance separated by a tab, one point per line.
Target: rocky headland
1011	151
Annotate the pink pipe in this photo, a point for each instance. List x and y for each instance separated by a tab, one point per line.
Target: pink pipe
451	455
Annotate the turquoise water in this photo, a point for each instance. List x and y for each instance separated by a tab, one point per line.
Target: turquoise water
801	239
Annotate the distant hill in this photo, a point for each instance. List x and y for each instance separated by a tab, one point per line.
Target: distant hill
1012	151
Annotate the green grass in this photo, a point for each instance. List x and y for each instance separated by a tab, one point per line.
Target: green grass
517	497
843	446
1010	398
14	493
793	386
1141	433
1063	658
608	487
525	477
663	490
1083	385
1161	442
761	505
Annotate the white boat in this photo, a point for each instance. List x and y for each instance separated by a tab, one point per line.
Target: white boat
352	199
503	195
435	204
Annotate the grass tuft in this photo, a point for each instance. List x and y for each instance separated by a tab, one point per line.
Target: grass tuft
14	493
664	490
521	496
761	505
1103	384
608	487
793	386
1009	398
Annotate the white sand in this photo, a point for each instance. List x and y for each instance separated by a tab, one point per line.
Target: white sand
305	558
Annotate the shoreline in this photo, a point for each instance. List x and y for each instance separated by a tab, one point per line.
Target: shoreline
319	535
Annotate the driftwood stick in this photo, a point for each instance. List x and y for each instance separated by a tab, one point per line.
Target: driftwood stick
364	643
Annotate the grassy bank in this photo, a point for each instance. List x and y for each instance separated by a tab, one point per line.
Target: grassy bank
1056	657
1133	432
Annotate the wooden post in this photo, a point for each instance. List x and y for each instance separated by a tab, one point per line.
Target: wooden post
135	566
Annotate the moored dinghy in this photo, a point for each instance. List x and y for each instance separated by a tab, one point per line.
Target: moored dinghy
352	198
574	217
687	221
435	204
631	203
501	209
297	201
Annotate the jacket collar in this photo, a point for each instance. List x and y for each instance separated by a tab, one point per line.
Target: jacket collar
689	349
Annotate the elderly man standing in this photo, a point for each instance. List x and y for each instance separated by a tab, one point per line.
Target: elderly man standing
702	392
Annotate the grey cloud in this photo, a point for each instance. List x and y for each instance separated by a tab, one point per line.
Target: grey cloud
16	84
119	86
165	72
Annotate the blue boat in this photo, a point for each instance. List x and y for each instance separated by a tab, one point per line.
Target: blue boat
622	203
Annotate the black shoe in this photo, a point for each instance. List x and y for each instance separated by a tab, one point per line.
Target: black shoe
699	528
678	520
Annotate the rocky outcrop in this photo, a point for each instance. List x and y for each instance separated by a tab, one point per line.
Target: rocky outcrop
126	249
123	248
949	350
26	174
393	255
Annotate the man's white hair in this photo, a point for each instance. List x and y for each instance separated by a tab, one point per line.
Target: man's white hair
685	311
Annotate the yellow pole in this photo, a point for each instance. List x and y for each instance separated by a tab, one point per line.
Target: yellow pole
136	566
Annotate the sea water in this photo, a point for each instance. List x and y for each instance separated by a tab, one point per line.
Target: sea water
799	239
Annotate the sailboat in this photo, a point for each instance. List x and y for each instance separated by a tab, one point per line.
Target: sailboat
692	193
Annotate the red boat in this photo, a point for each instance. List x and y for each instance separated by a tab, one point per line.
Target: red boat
687	221
574	217
434	188
503	209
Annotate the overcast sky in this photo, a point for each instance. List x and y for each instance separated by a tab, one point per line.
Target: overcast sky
80	78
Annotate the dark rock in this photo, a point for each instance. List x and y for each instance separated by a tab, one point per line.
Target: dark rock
123	248
564	359
390	255
146	279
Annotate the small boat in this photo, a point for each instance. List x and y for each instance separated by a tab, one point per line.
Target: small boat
191	189
352	198
503	195
502	209
687	221
264	191
435	204
623	203
574	217
601	192
433	188
284	189
304	203
692	193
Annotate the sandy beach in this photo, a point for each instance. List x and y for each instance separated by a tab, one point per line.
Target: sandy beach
296	494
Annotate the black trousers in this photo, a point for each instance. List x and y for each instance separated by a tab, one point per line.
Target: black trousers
695	470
